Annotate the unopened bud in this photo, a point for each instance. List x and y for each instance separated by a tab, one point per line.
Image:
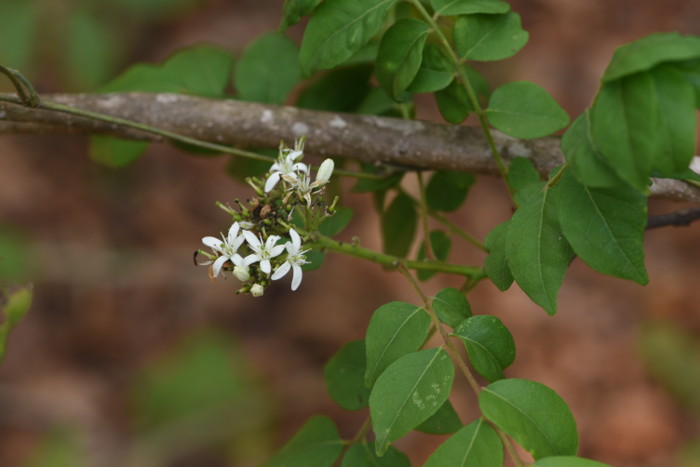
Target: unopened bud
257	290
325	171
242	273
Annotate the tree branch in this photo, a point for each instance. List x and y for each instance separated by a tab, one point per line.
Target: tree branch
682	218
367	138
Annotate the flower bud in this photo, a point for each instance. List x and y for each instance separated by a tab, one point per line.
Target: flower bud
325	171
257	290
242	273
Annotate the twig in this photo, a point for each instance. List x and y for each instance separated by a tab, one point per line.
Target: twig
682	218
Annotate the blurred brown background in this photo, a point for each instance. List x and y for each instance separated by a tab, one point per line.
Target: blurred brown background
130	357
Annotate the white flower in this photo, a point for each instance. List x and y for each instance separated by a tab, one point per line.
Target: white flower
305	188
262	252
257	290
285	167
226	249
295	260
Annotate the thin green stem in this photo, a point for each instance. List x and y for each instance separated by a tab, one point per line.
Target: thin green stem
24	88
456	230
448	344
509	447
471	94
394	262
422	201
361	433
557	176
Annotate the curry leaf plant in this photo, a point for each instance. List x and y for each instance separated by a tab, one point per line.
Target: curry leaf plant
375	57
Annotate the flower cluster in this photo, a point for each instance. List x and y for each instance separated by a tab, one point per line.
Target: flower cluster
253	249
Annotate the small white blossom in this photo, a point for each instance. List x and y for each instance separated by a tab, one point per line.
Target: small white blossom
226	249
285	166
295	260
325	171
257	290
304	187
262	252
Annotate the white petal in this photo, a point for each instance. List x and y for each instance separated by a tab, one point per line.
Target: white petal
272	181
296	240
294	155
301	167
218	264
296	276
253	241
271	240
276	250
251	259
265	266
281	271
213	242
233	231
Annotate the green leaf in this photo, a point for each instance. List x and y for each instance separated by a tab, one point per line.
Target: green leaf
268	70
90	54
451	306
435	72
496	264
363	454
407	393
340	90
489	37
18	21
114	152
691	73
202	70
442	422
469	7
377	102
624	126
490	345
525	110
315	260
394	330
336	223
585	160
204	379
521	173
400	55
453	102
671	355
399	226
605	227
447	190
536	251
532	414
441	244
317	443
345	376
294	10
338	29
650	51
568	461
16	305
59	447
475	445
678	121
16	262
